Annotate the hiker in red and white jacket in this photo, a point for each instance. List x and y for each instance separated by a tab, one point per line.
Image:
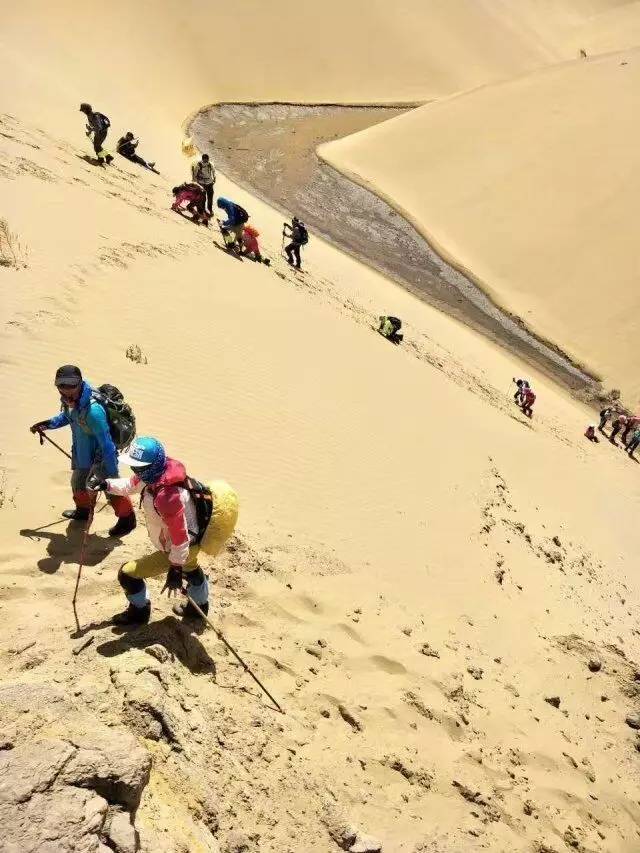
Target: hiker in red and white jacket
176	527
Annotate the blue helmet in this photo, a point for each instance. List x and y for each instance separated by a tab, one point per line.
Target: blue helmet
147	458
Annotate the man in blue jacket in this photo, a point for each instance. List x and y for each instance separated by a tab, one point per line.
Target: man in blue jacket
92	449
233	227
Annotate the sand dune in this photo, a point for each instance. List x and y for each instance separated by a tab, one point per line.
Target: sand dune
531	187
417	567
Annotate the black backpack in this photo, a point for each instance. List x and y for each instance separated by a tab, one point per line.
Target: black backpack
105	124
302	235
120	417
203	500
242	214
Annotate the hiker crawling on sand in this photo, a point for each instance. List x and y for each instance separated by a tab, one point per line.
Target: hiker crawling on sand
389	328
528	399
93	451
204	174
232	228
521	386
590	433
183	518
97	125
299	237
194	197
250	247
126	147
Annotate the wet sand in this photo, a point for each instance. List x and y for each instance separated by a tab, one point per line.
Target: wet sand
270	149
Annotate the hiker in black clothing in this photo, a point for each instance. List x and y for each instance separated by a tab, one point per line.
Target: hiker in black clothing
299	237
98	125
127	145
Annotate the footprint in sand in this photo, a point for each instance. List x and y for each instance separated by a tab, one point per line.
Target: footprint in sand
388	665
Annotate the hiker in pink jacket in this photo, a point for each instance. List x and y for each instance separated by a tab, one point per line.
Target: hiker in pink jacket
183	517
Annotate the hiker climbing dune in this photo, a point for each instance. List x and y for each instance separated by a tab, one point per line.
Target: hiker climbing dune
93	450
184	517
97	126
232	229
299	235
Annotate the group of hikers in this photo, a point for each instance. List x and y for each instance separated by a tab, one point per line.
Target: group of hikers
196	196
98	127
184	516
627	426
240	238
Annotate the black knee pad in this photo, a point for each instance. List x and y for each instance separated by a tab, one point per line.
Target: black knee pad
195	577
129	584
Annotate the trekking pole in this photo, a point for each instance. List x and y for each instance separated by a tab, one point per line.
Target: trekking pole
221	637
83	547
42	437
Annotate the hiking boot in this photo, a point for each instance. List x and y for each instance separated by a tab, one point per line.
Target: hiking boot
188	611
109	159
77	514
124	525
133	615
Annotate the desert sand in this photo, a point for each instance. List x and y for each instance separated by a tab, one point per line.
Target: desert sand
417	567
530	187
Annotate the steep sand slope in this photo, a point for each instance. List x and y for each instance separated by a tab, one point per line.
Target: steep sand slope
531	186
395	507
364	50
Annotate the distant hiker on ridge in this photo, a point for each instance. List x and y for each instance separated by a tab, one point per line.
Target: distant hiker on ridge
521	387
619	423
126	147
389	328
233	227
299	237
93	449
528	399
204	174
633	444
605	414
183	517
98	126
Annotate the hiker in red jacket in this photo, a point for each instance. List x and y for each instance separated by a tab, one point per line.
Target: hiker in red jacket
194	196
528	399
183	517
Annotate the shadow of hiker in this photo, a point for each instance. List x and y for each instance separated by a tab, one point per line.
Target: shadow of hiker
65	547
177	638
92	161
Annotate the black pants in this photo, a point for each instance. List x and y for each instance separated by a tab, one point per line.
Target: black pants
208	190
135	158
98	142
293	251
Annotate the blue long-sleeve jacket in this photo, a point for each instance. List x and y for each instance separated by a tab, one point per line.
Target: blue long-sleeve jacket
232	210
92	442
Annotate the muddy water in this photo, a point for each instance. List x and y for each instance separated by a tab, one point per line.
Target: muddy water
270	150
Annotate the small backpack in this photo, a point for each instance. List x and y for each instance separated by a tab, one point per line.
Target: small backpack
203	500
120	417
104	121
303	235
242	214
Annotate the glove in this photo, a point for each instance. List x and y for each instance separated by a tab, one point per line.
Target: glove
39	427
96	484
173	583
